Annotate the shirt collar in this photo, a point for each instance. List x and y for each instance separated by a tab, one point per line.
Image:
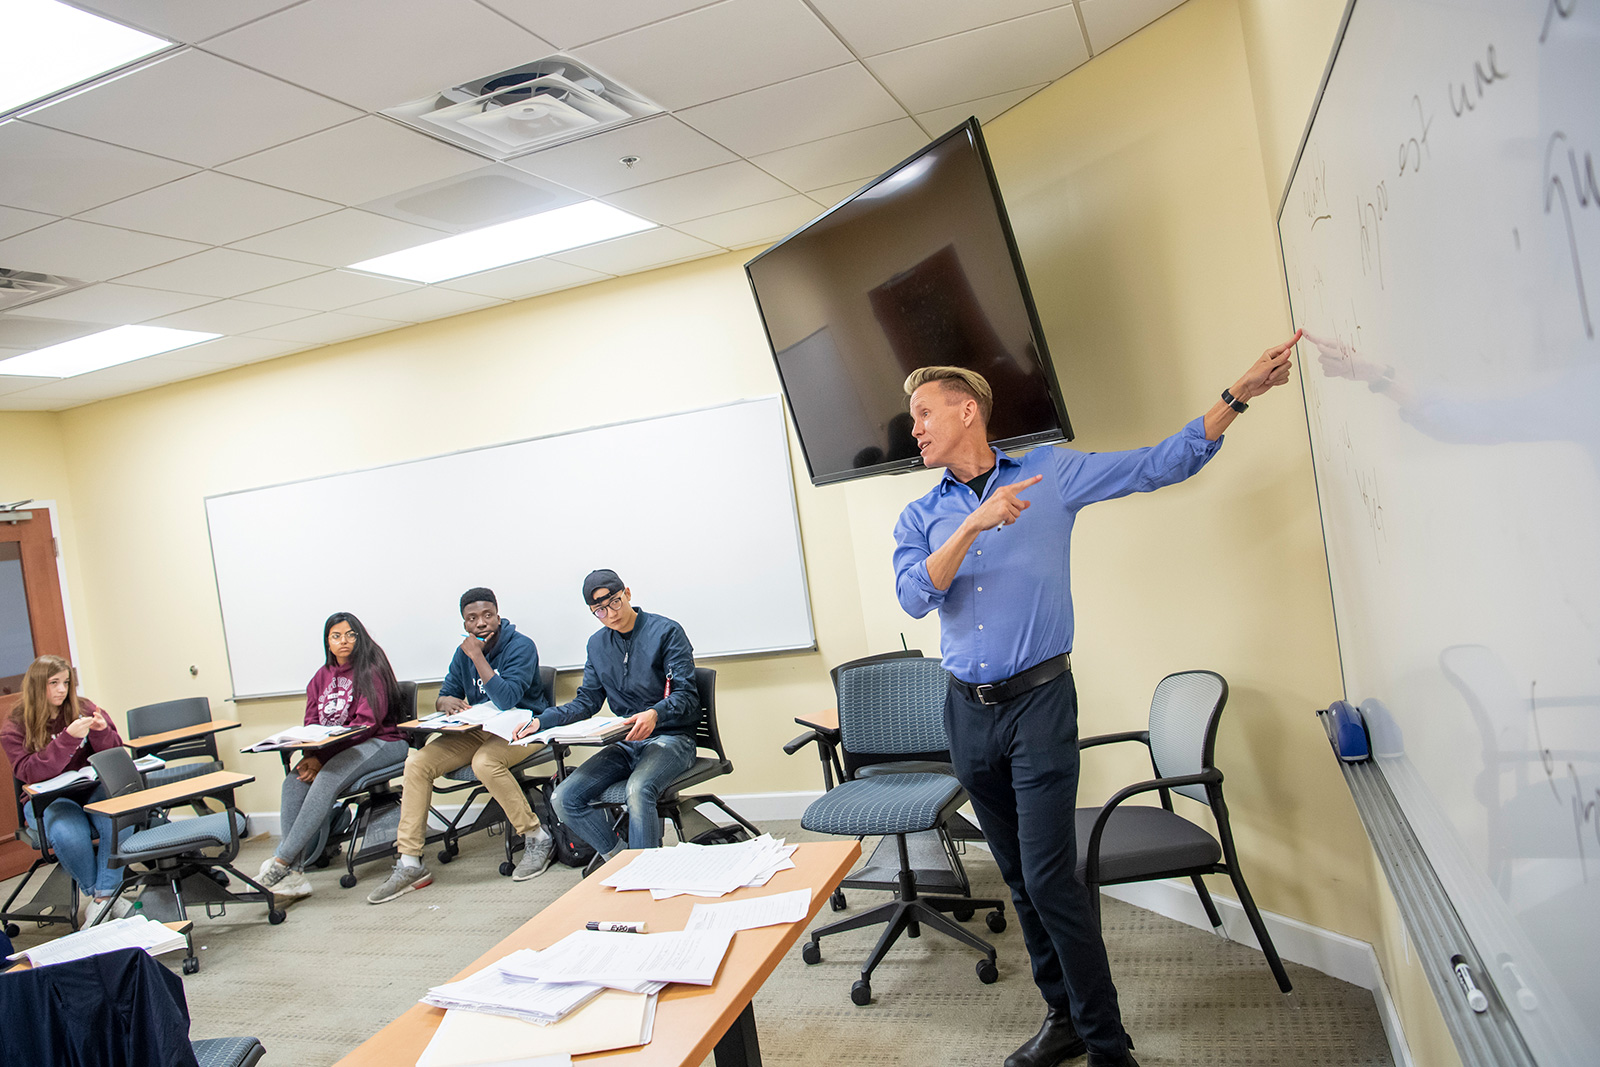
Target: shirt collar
949	481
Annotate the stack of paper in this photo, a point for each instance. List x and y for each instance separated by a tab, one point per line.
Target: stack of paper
611	1020
704	870
494	992
626	961
752	914
298	735
134	931
595	730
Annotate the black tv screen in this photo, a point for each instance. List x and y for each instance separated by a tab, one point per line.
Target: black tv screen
917	268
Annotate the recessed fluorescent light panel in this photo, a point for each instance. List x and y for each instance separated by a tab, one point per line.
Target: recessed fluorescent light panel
510	242
47	47
99	350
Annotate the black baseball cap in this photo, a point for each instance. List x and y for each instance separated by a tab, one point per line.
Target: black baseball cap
598	580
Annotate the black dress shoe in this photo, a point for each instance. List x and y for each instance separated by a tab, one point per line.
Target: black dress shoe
1125	1060
1055	1042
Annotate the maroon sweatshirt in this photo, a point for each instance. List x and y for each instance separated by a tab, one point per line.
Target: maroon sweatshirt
332	699
62	753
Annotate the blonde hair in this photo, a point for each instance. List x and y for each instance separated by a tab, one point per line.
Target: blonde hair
35	710
956	380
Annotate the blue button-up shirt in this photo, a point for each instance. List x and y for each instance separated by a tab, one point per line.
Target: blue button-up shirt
1010	604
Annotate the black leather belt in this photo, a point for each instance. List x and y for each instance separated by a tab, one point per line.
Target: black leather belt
1017	684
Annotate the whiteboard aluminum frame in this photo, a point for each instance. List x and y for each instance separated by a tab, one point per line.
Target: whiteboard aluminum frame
799	542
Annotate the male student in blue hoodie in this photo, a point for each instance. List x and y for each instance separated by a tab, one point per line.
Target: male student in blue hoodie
493	663
643	666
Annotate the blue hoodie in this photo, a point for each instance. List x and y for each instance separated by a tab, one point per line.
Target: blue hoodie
515	684
631	675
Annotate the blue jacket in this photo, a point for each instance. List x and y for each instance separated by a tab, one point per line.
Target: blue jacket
515	684
632	675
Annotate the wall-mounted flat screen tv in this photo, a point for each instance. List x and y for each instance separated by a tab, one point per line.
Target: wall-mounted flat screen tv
917	268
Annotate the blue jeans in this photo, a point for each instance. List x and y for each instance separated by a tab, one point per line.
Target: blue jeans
71	832
649	767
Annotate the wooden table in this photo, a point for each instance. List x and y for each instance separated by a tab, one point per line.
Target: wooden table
141	745
691	1021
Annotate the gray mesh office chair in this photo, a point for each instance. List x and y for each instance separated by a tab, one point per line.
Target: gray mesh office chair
1121	842
895	708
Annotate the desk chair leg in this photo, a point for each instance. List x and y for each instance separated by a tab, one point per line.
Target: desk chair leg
740	1046
1211	909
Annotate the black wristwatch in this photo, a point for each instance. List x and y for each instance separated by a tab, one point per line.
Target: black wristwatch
1233	402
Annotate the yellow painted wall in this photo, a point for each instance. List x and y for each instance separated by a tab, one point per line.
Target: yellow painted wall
1142	189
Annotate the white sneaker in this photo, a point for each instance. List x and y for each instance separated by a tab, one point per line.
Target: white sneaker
292	886
272	872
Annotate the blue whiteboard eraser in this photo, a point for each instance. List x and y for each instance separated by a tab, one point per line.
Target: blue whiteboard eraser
1347	731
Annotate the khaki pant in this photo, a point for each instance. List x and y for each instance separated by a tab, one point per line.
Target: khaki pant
492	759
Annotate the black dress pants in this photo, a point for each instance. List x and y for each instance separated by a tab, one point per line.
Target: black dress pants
1018	760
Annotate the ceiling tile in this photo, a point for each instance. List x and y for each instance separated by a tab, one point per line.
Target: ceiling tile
63	393
210	208
567	25
14	383
62	174
423	305
340	239
940	122
664	147
194	107
524	279
1110	21
14	221
137	374
885	25
759	224
380	53
802	109
220	272
995	59
356	162
328	327
183	20
705	192
329	291
639	251
232	351
832	195
27	334
718	51
844	158
484	197
111	304
85	250
229	317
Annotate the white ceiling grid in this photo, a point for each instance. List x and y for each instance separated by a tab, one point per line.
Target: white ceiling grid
221	186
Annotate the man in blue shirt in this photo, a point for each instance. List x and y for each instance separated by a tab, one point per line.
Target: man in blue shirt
643	666
994	563
493	663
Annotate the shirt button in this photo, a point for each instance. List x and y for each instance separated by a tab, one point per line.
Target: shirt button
980	551
980	588
983	664
980	626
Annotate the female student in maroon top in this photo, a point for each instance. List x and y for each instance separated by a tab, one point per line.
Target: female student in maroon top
355	687
51	731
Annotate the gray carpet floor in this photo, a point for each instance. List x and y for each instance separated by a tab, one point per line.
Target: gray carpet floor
338	969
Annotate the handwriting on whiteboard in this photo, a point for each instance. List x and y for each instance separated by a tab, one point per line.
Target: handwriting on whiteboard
1414	149
1485	72
1561	161
1585	808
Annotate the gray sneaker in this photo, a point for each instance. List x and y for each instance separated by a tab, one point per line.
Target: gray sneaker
402	880
538	851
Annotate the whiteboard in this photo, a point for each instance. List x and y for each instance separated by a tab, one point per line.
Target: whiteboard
1441	245
695	511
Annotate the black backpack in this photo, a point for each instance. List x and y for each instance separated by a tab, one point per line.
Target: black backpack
571	850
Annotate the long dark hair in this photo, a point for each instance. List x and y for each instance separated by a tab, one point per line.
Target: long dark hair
368	664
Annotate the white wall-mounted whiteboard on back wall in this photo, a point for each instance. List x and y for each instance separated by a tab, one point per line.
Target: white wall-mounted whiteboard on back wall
1441	240
695	511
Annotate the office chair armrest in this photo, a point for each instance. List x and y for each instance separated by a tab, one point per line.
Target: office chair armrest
1142	736
1092	850
801	742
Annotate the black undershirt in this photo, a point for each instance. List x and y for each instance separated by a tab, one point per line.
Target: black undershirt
977	484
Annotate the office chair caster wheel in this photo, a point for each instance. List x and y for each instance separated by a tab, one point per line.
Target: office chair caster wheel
988	973
913	929
191	965
861	993
836	902
995	921
811	952
962	914
506	867
276	916
12	929
446	855
347	881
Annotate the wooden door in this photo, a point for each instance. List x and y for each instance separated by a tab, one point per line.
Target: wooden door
32	623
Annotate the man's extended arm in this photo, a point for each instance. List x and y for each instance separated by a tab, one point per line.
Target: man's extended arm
1272	369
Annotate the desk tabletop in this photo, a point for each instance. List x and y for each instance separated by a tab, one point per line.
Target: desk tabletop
824	722
174	793
302	746
689	1019
182	926
182	733
418	726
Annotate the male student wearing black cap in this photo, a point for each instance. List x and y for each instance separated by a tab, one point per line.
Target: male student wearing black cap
493	663
643	666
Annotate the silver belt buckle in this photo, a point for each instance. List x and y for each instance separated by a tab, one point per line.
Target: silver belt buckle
983	692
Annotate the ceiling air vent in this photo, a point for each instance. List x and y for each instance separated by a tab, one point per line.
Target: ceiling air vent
18	287
524	109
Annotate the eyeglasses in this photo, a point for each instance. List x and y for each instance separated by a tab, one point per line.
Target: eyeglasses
607	606
339	638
